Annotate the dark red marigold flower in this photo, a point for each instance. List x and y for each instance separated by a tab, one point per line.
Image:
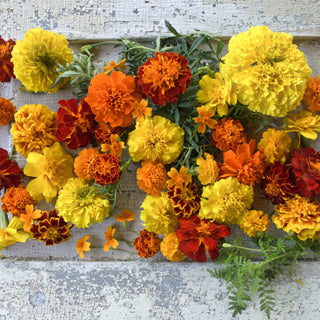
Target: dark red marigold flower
6	66
104	131
10	173
75	123
196	236
164	77
147	244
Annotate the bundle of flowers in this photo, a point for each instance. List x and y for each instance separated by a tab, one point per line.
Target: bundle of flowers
208	133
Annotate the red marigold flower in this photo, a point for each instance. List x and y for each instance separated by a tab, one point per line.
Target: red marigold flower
164	77
104	131
147	244
51	228
10	173
75	123
6	65
196	236
105	169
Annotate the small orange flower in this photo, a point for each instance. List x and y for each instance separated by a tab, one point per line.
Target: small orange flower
30	215
82	245
7	111
110	240
6	65
126	215
178	178
120	66
83	163
147	244
312	94
141	111
205	119
114	147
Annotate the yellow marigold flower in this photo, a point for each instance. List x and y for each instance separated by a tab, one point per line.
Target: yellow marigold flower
82	245
34	128
226	201
275	145
179	178
217	93
305	123
156	138
78	203
158	215
51	170
169	247
208	169
36	59
299	215
254	222
271	74
110	240
205	119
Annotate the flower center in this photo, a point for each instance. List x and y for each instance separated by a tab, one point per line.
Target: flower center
52	234
117	100
203	229
46	62
157	143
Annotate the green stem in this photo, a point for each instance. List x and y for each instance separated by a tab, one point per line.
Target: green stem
129	243
4	221
11	152
89	47
228	245
125	224
123	250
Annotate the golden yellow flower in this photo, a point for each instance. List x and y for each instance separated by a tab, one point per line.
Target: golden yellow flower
169	247
179	178
36	59
156	138
208	169
51	170
254	222
271	74
34	128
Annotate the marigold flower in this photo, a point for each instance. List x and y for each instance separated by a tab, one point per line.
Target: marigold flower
217	93
269	71
275	145
75	123
83	163
29	216
34	128
80	204
164	77
110	240
156	138
196	236
37	57
82	245
205	119
299	215
169	247
51	170
141	111
147	244
158	215
243	164
152	177
226	201
104	131
254	222
312	94
6	65
112	66
10	173
114	147
208	169
227	134
7	109
16	199
126	215
179	178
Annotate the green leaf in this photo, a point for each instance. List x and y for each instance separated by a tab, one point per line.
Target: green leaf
171	28
220	46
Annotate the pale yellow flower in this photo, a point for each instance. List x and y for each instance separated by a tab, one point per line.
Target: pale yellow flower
208	169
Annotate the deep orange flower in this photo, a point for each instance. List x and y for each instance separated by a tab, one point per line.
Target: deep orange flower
227	134
126	215
29	216
178	178
114	147
10	173
141	111
196	236
119	66
164	77
7	111
312	94
104	132
243	164
83	163
147	244
205	119
6	65
152	177
110	240
82	245
112	98
75	123
16	199
105	169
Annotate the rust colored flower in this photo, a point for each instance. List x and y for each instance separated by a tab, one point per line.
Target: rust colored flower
6	65
196	236
16	199
83	163
164	77
29	216
243	164
104	132
227	134
51	228
141	111
10	173
110	240
204	119
152	177
7	111
105	169
312	94
126	215
147	244
178	178
112	98
114	147
75	123
82	245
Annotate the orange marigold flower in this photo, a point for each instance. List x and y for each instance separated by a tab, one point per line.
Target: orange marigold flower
75	123
227	134
254	222
105	169
82	246
16	199
169	247
152	177
10	173
110	240
141	111
114	147
243	164
29	216
84	161
164	77
112	98
178	178
104	132
6	65
7	111
147	244
312	94
126	215
205	119
208	169
120	66
51	228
